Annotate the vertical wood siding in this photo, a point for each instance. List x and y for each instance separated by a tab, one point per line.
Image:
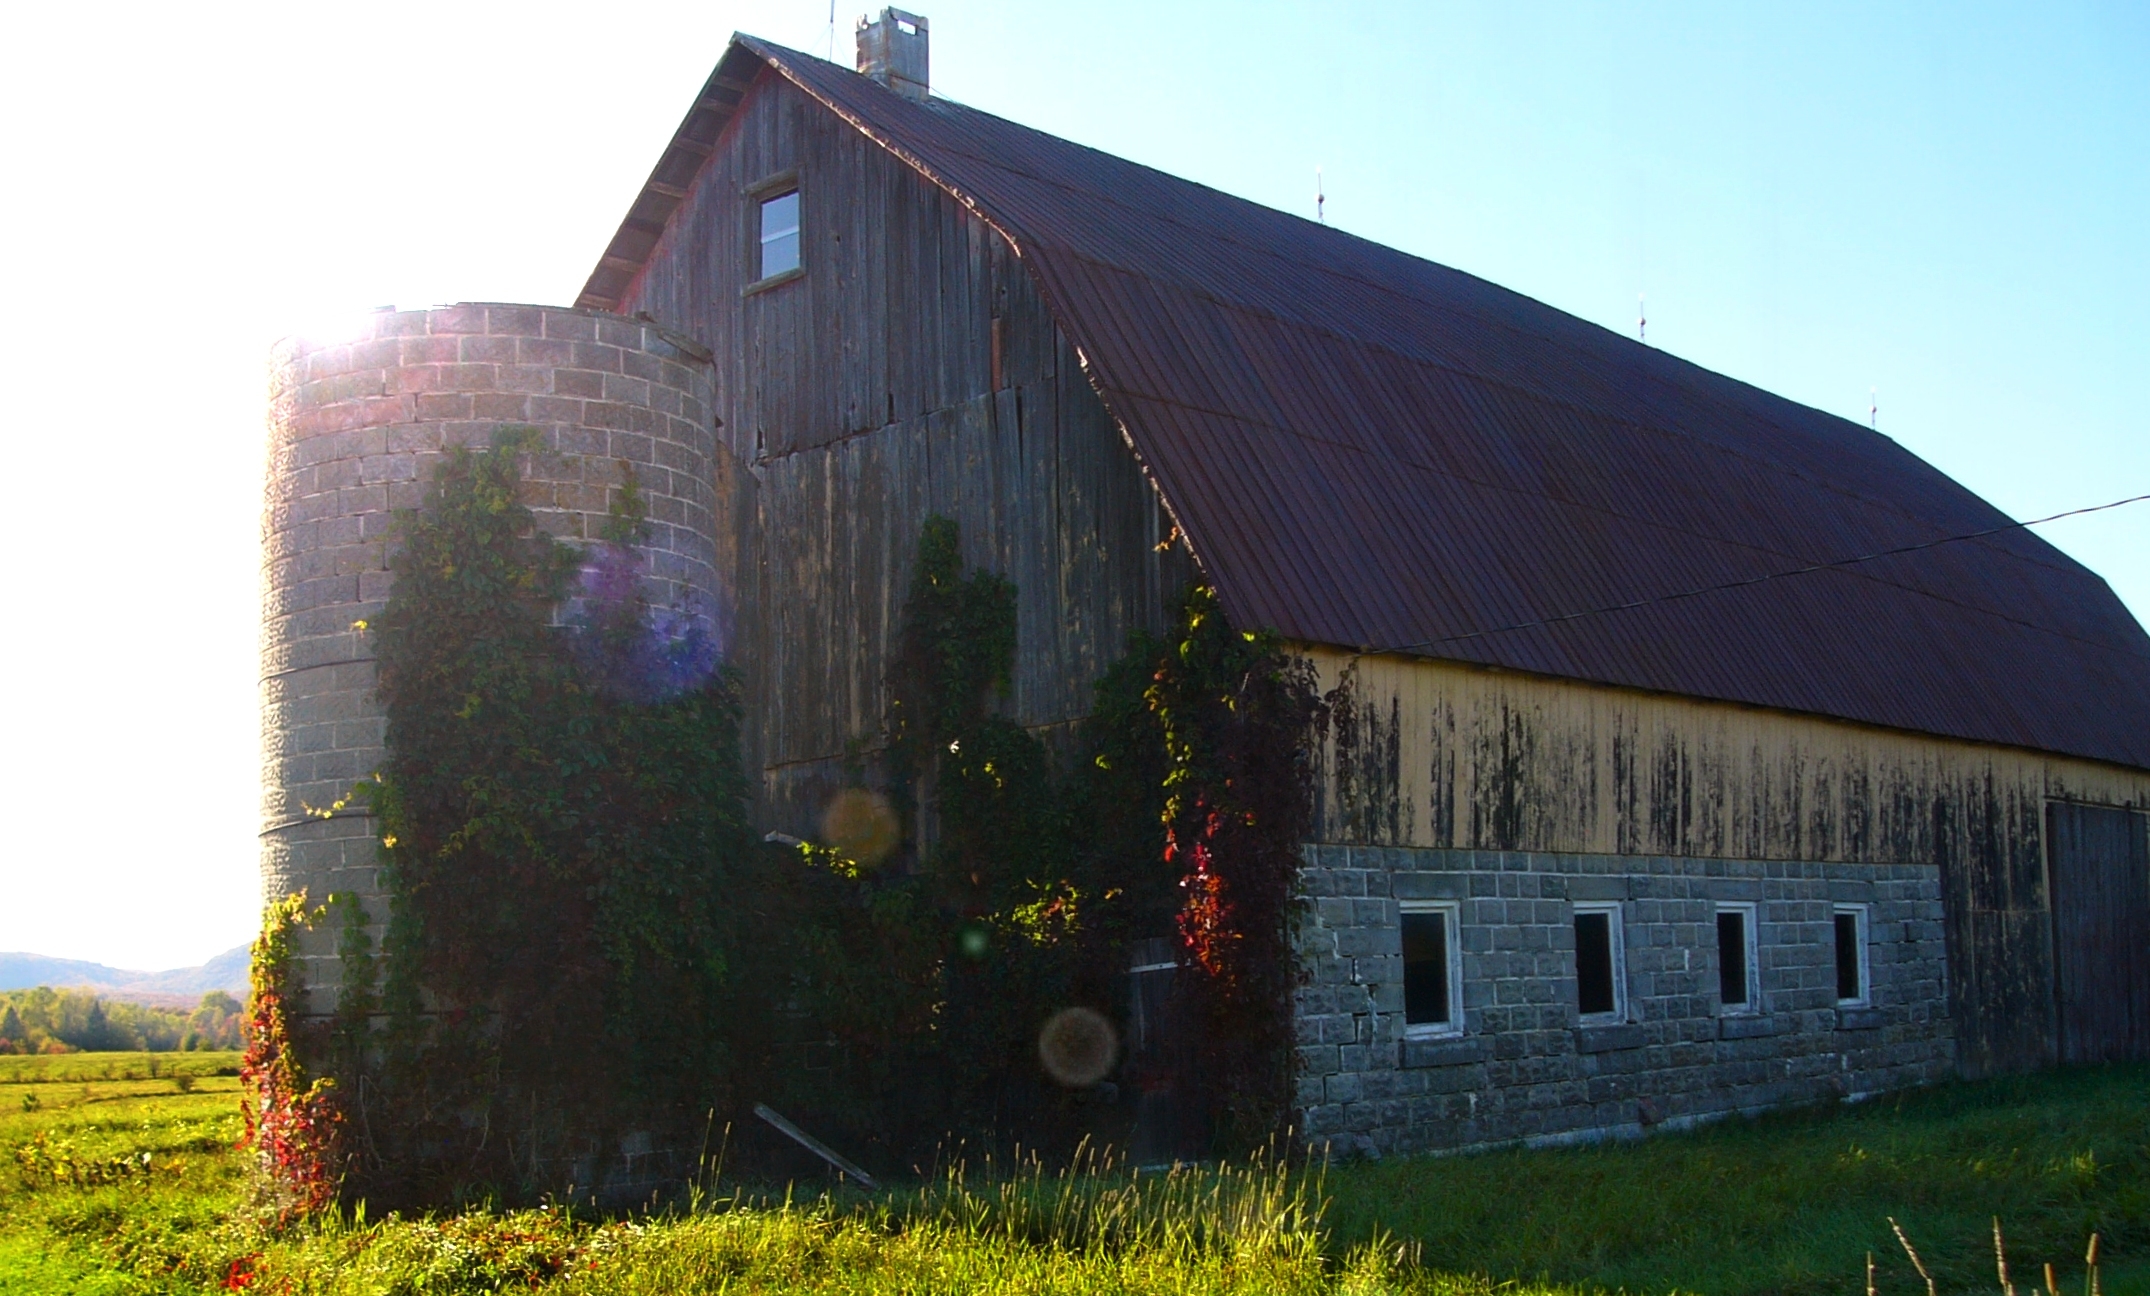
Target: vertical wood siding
859	399
2100	865
1431	754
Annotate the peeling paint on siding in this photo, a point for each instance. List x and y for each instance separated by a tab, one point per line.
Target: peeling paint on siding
1445	756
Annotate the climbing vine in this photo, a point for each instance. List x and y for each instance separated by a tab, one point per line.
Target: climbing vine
586	948
932	970
1028	878
561	809
293	1120
357	997
1235	711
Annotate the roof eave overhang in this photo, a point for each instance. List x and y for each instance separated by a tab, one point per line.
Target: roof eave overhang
672	178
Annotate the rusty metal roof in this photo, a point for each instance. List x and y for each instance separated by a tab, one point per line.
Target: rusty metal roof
1368	449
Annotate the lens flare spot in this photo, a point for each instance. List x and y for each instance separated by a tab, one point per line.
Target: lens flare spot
860	825
973	942
632	649
1078	1047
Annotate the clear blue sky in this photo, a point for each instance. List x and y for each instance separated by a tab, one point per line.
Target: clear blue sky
1948	205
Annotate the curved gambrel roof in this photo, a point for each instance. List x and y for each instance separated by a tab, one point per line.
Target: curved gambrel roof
1370	450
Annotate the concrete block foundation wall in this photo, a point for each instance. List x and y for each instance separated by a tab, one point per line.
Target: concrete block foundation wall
1521	1069
355	427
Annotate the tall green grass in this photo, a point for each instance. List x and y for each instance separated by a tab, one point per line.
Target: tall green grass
1790	1203
1097	1202
1092	1227
1793	1202
965	1243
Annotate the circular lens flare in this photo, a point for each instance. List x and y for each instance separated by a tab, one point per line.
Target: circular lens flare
860	825
1077	1047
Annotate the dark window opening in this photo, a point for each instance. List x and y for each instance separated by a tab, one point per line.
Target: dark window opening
1732	957
1594	963
1847	957
780	234
1426	999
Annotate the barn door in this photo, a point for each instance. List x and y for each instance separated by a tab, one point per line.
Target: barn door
2100	870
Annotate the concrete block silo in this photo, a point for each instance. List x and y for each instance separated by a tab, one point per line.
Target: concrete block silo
355	425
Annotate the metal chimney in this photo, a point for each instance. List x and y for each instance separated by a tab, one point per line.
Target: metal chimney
892	50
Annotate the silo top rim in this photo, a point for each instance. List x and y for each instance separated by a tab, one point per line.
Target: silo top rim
374	324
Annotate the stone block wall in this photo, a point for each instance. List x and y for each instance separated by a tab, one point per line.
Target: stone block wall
1523	1067
355	427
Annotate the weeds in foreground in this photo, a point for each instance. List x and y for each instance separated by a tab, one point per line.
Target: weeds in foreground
2000	1263
46	1162
1097	1202
800	1247
1093	1226
1791	1204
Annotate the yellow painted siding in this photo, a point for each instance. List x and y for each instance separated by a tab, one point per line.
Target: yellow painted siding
1436	754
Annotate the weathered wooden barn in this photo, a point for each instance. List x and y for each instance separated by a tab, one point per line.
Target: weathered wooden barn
1641	802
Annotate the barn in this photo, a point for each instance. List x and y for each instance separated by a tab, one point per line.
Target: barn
1691	752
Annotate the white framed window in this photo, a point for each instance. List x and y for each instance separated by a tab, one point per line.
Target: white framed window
779	233
1854	988
1600	963
1432	968
1739	981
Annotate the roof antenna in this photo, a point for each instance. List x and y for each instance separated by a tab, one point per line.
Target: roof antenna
1319	197
1873	409
1642	318
832	31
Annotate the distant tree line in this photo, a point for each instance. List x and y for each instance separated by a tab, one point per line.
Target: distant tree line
45	1020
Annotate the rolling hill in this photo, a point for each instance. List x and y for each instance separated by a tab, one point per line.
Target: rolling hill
227	971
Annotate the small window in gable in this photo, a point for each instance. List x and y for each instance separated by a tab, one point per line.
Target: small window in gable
1852	989
1432	970
779	233
1737	983
1600	963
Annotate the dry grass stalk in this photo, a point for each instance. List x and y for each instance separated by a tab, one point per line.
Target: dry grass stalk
2000	1265
1912	1251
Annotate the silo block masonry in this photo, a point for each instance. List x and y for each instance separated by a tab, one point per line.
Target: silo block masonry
355	427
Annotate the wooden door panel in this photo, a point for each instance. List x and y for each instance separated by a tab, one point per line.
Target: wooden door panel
2099	868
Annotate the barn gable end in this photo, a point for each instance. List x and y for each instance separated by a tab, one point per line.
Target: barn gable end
911	369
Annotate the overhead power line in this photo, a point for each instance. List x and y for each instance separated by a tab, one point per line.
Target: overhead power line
1754	580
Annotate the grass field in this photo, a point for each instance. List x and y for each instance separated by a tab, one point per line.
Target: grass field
135	1188
1793	1202
80	1211
75	1068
